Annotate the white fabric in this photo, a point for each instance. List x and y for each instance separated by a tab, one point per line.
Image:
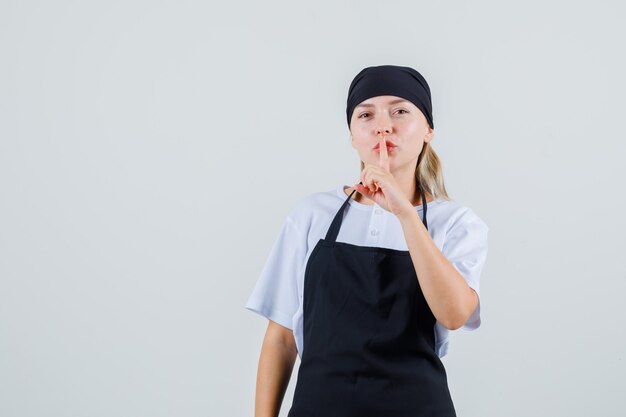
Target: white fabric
456	230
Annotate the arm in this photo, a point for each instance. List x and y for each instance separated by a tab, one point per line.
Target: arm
278	355
449	297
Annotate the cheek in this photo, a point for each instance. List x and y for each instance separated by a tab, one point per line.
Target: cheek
359	140
411	127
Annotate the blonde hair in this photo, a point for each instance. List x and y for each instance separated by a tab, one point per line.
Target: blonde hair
428	173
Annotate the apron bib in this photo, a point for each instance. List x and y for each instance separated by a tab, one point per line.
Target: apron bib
368	336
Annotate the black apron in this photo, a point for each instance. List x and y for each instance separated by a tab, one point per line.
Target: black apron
368	337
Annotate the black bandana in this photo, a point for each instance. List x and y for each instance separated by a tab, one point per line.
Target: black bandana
390	80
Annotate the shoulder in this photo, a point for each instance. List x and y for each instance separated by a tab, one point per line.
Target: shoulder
315	203
463	232
313	206
456	215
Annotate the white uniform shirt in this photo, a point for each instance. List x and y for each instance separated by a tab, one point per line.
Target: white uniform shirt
456	230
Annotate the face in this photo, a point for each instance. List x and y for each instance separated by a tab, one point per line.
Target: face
399	121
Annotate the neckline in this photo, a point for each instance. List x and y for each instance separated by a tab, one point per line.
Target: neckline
341	192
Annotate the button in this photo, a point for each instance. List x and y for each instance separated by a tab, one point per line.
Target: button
378	211
374	232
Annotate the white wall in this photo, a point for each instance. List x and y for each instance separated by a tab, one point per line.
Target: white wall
149	151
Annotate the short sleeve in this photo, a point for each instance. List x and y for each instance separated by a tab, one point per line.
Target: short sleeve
465	246
275	295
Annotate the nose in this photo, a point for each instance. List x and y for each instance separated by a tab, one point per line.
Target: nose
383	126
383	130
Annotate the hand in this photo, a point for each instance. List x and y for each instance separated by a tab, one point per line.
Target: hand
387	194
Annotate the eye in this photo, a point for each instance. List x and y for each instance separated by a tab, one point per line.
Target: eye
366	113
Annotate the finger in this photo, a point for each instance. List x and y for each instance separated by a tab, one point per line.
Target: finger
366	180
371	182
383	159
360	188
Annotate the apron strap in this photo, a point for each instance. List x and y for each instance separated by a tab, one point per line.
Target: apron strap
333	230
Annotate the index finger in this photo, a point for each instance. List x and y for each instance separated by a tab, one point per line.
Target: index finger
383	160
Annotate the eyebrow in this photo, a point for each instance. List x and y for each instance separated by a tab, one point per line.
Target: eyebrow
391	102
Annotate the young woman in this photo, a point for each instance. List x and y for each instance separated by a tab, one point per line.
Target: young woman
361	283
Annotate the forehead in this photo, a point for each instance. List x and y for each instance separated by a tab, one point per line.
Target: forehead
383	100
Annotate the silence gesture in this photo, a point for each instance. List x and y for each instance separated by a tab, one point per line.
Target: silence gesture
379	185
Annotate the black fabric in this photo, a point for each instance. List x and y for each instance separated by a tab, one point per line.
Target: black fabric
390	80
369	337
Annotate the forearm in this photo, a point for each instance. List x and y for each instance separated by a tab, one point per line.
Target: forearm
449	297
273	375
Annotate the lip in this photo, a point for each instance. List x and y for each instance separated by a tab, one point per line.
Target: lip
390	149
390	145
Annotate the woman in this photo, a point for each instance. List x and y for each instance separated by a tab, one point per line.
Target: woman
361	283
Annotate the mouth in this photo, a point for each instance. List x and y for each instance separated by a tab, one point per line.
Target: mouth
390	146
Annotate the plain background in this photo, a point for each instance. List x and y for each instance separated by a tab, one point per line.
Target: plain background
150	151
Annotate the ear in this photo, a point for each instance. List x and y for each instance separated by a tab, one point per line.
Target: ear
429	136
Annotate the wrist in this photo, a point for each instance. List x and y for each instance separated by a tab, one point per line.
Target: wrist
407	215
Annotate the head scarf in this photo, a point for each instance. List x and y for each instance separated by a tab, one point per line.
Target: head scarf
390	80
